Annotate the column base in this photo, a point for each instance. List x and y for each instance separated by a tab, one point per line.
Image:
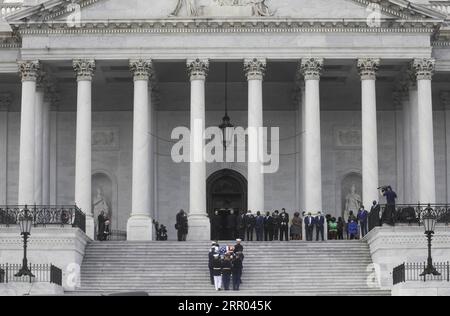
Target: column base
90	227
199	228
140	228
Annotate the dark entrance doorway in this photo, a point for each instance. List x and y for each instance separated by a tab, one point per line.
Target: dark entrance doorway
226	198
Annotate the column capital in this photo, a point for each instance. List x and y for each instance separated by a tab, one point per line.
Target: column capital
423	68
445	99
5	101
368	68
29	70
84	68
255	68
311	68
198	68
142	69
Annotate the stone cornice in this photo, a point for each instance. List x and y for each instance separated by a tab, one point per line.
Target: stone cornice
252	25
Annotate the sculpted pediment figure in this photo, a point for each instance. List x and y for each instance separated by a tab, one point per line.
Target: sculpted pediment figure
221	7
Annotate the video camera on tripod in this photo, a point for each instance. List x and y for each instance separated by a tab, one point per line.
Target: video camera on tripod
385	188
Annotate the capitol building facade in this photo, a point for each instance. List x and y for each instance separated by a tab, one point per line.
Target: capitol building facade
91	92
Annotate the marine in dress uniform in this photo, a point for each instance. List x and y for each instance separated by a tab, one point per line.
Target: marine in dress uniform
217	268
237	270
226	272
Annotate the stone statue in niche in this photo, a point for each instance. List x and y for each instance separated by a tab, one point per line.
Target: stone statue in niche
352	202
101	205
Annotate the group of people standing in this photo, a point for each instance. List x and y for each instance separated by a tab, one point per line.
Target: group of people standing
225	265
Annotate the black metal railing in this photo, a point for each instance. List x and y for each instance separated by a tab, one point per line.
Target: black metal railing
42	273
412	272
45	215
409	214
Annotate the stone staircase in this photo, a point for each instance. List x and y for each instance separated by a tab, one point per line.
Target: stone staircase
270	269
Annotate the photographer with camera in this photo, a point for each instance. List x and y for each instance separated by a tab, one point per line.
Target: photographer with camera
391	196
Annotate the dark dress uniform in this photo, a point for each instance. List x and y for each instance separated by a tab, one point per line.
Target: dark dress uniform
217	271
211	266
182	226
284	226
276	225
237	272
226	273
238	248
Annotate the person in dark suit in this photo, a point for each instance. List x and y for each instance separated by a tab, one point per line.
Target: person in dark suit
388	214
217	268
362	218
101	226
374	216
182	225
309	227
250	223
268	227
320	225
284	225
240	224
276	224
259	227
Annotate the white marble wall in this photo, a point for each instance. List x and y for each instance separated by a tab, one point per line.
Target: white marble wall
114	158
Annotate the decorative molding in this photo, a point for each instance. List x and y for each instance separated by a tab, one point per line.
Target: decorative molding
255	68
141	69
29	70
84	69
424	68
368	68
5	101
311	68
198	69
105	139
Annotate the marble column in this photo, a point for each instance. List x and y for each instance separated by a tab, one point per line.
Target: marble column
445	100
312	155
46	122
5	103
367	69
254	71
29	71
406	162
413	132
38	137
424	69
199	225
139	226
84	70
299	93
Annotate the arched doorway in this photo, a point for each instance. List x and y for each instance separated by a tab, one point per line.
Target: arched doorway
226	198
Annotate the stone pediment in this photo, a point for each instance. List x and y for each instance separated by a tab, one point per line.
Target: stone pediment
131	10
